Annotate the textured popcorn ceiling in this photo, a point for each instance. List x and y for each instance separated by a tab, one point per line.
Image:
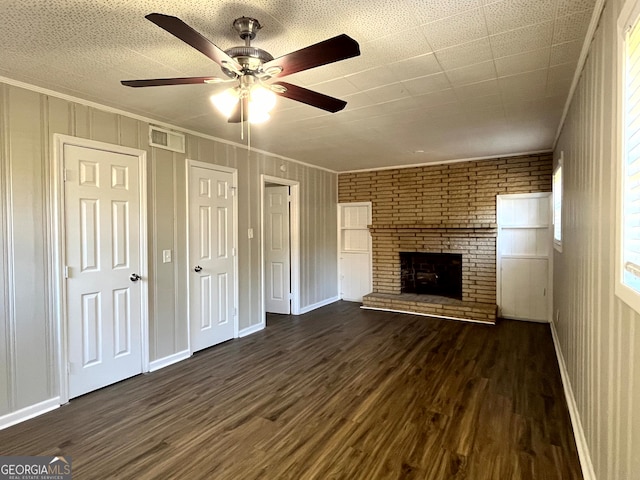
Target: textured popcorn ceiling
437	79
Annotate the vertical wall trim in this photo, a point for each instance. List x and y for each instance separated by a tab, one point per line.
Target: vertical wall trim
154	250
45	153
176	272
581	442
10	257
631	406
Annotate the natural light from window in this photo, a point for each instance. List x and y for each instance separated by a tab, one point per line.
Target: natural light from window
631	163
557	205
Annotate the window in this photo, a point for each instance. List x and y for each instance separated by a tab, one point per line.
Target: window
628	211
557	205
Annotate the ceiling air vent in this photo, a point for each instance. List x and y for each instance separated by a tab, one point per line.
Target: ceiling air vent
161	138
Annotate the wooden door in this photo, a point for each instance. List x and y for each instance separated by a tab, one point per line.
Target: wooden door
102	235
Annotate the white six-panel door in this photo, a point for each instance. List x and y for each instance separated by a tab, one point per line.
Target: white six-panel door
211	257
277	250
524	256
102	237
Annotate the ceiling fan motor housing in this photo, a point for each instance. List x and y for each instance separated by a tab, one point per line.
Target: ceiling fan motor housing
251	59
247	27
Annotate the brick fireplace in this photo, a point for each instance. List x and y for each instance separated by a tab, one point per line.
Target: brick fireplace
447	209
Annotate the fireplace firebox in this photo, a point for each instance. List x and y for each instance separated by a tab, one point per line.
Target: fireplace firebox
431	273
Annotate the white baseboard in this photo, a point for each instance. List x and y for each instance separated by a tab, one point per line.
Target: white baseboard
26	413
169	360
252	329
578	432
427	315
323	303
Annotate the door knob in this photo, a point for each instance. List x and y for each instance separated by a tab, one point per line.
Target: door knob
198	269
134	277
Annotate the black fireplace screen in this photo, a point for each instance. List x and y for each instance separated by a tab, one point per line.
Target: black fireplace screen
431	273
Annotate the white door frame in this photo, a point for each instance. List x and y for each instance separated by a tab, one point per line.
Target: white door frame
499	198
234	192
294	221
58	256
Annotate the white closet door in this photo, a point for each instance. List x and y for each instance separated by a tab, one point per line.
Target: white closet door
102	228
524	251
211	257
355	250
277	250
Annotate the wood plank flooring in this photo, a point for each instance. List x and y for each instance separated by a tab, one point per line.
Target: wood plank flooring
339	393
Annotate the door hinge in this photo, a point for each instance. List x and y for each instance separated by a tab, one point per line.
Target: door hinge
235	312
233	191
290	296
67	271
233	252
289	198
65	175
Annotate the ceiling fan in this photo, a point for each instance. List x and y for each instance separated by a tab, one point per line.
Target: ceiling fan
251	67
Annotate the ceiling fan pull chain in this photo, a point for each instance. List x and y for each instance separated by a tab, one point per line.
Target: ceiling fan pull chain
241	118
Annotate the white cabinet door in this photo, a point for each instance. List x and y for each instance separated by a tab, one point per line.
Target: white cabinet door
277	250
524	250
102	236
211	252
354	250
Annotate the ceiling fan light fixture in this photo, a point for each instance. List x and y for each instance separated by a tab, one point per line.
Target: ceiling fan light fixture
256	117
261	99
226	101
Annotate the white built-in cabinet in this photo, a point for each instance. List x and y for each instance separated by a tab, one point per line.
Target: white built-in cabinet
354	250
524	252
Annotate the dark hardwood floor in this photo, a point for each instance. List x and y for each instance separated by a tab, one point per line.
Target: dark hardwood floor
339	393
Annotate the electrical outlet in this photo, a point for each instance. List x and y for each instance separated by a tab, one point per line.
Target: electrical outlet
166	256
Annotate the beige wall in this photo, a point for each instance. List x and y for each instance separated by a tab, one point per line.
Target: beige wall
598	334
27	331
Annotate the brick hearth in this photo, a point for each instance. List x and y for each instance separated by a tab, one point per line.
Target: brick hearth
477	246
441	209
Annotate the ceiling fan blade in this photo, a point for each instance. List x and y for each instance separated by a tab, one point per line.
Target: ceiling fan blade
235	117
157	82
315	99
184	32
329	51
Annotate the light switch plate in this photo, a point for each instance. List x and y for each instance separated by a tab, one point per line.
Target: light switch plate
166	256
250	233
